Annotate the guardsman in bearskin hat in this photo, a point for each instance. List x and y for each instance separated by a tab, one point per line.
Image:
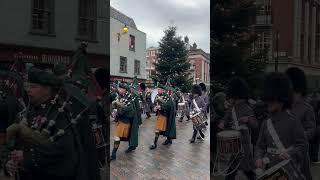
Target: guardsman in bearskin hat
145	103
166	120
240	117
43	148
281	136
127	120
301	108
197	103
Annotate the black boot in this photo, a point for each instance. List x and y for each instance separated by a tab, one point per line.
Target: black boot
114	151
168	141
181	119
193	139
154	145
188	118
130	149
148	115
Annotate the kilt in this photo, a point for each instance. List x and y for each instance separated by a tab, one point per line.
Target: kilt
122	130
161	123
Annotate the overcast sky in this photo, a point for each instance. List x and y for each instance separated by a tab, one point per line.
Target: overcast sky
192	18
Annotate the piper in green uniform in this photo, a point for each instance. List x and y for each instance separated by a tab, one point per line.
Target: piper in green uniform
166	122
45	149
127	121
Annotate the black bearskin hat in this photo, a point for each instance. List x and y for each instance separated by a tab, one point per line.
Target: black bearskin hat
143	86
203	87
196	89
238	89
277	87
298	80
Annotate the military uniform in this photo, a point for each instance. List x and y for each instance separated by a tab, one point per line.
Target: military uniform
202	106
127	122
165	123
242	109
50	150
291	135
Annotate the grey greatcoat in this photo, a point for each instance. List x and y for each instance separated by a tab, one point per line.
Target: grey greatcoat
291	135
146	101
242	109
186	111
201	105
305	114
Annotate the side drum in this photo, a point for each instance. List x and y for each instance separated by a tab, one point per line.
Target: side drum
229	142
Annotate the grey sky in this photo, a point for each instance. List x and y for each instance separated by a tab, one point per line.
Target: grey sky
192	18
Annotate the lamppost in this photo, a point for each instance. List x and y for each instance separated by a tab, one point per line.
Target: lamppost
277	36
125	29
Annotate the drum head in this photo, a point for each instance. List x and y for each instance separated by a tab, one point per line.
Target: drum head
228	133
181	104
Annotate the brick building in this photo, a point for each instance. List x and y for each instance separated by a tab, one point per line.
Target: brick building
200	63
150	64
291	28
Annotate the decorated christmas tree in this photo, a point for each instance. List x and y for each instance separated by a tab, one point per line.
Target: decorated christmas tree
173	61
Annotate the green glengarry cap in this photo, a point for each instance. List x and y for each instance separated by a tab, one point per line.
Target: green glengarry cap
43	77
124	85
162	86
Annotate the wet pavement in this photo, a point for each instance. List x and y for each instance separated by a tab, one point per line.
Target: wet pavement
181	160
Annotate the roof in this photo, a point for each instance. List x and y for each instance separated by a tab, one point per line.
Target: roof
115	14
199	52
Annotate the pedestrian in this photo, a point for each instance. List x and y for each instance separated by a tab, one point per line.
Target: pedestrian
166	117
281	136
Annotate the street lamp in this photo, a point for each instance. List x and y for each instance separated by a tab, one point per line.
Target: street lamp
125	29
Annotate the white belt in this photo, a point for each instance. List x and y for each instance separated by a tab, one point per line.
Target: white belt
277	151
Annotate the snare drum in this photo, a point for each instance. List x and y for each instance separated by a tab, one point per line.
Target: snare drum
229	142
198	121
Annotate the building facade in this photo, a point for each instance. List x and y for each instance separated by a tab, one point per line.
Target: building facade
291	28
150	64
200	65
128	49
47	32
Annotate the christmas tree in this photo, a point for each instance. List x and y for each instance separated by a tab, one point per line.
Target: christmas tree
173	61
232	37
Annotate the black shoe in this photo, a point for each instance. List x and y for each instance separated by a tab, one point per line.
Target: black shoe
153	146
113	158
130	149
167	142
192	140
199	137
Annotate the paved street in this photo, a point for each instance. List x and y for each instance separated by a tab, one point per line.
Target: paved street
181	160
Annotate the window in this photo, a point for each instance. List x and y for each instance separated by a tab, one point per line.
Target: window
148	53
132	43
136	67
123	64
87	27
153	53
42	16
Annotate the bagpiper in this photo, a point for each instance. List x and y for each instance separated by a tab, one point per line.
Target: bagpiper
127	120
166	121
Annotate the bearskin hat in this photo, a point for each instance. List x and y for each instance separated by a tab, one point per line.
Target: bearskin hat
143	86
203	87
298	80
196	89
277	87
238	89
